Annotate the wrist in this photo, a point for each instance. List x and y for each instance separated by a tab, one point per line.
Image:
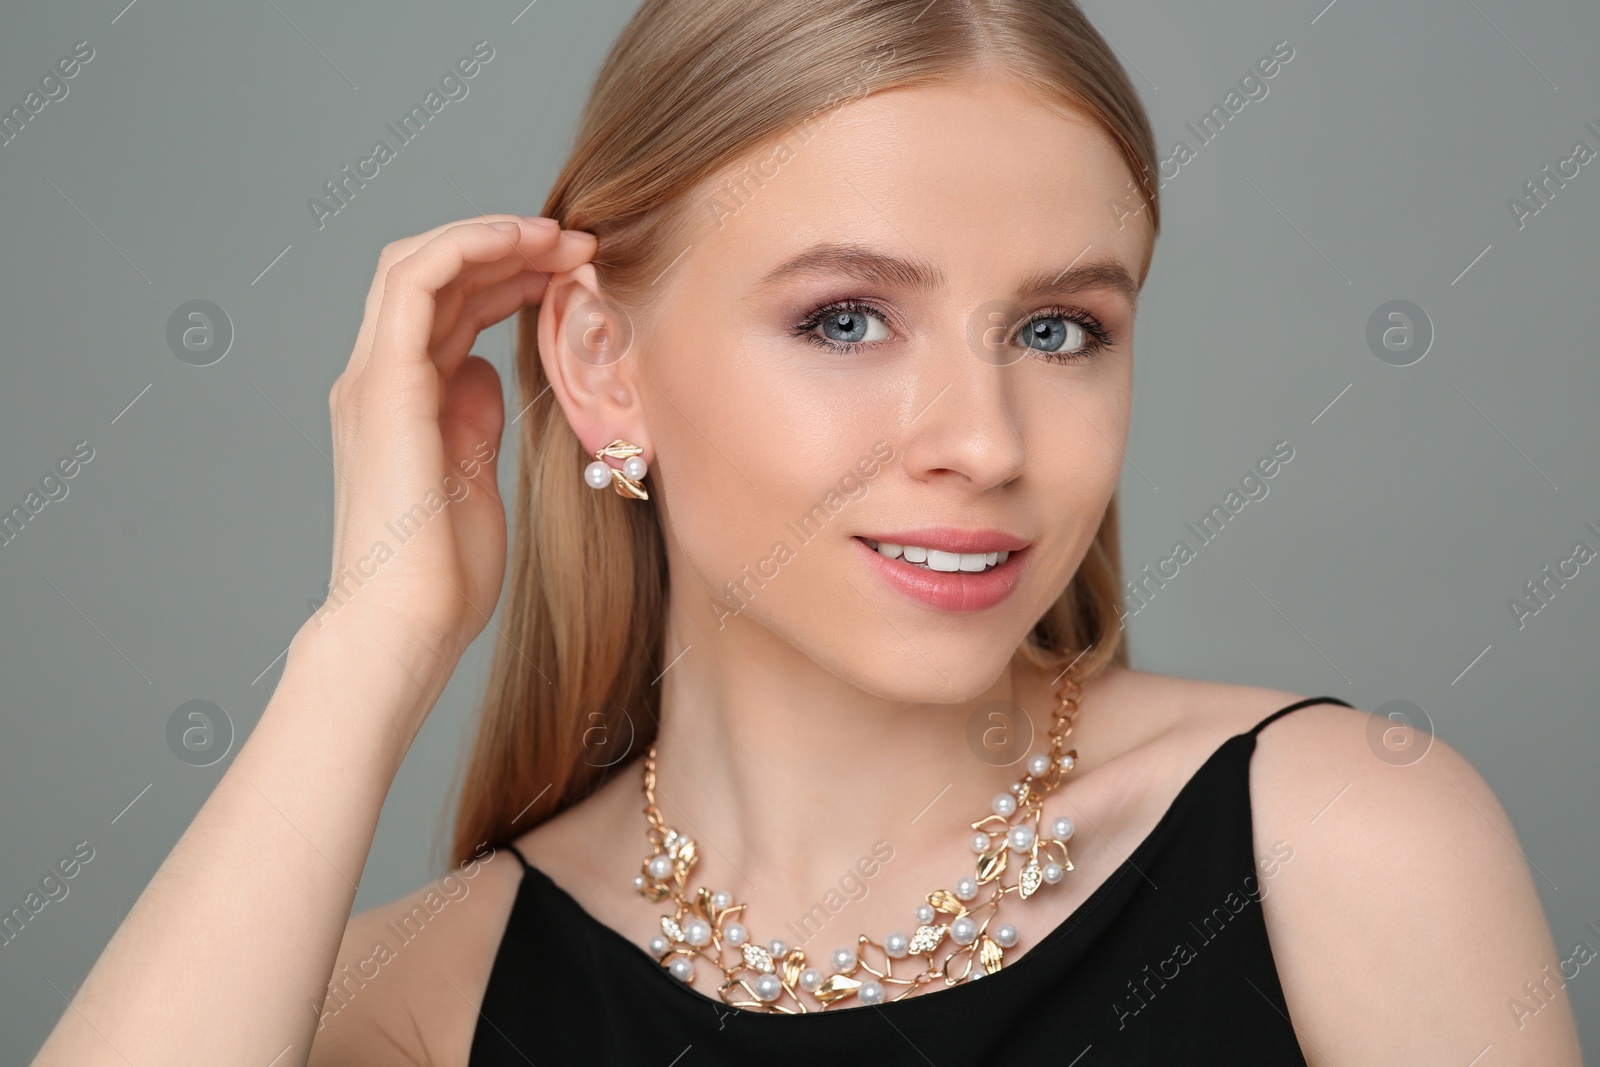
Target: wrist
396	675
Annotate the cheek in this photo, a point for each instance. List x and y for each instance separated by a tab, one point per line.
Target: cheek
756	446
1077	451
1079	430
1103	436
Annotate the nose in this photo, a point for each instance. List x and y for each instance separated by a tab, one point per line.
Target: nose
963	422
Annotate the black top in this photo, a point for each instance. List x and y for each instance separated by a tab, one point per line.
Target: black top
1167	962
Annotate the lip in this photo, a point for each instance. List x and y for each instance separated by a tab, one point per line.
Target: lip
952	539
950	591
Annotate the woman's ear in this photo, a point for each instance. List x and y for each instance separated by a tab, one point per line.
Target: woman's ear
586	344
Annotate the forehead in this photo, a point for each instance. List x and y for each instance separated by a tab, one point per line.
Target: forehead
978	177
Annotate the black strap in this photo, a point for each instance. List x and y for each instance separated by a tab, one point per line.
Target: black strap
1306	703
525	864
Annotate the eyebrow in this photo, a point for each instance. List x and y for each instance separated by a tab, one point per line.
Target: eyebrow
917	273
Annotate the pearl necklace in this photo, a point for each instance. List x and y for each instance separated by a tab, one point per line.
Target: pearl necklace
772	978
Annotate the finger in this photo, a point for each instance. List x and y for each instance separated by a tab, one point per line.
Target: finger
388	256
406	313
474	277
397	251
487	293
454	297
481	310
407	245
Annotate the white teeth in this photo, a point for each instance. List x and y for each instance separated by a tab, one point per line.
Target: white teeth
939	560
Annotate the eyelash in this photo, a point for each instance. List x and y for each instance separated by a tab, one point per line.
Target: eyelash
1098	337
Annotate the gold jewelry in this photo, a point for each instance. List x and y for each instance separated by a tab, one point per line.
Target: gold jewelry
700	926
600	474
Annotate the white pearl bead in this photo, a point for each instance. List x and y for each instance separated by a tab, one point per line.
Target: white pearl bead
682	968
966	888
697	932
597	474
1062	829
975	974
768	986
1052	873
963	930
1005	935
1020	838
924	913
659	945
735	934
778	946
660	867
638	881
844	959
896	945
810	979
979	842
634	467
1067	762
1039	765
871	992
1004	804
721	899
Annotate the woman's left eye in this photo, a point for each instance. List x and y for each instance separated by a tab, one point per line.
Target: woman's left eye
1063	336
1059	337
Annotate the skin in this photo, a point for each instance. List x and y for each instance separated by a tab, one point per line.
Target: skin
830	712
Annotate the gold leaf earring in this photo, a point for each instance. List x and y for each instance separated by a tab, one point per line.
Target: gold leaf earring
600	474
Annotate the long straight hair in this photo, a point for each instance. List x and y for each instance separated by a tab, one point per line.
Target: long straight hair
689	90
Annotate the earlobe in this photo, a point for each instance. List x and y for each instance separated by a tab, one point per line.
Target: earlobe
626	481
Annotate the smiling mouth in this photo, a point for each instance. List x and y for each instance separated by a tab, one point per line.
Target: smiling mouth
934	559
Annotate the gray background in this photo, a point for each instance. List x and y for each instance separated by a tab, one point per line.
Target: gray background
1379	166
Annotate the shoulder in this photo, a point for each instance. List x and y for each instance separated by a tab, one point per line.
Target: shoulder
1394	867
1178	721
410	974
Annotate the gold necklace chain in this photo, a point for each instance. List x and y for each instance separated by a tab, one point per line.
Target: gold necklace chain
778	978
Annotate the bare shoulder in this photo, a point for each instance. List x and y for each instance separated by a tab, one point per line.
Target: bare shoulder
411	973
1395	868
1187	715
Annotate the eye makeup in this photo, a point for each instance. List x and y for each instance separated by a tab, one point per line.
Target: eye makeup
1096	337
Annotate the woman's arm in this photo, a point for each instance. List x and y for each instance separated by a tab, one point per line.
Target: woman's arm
226	955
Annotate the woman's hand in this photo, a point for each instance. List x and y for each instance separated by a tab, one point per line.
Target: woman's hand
419	528
419	552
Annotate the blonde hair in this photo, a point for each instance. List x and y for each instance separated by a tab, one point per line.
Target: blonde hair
689	89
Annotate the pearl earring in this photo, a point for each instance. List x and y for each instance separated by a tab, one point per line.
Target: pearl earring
600	474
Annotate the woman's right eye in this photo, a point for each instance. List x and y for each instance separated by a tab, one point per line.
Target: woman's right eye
846	325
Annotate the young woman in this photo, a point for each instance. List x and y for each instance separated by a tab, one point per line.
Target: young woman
811	733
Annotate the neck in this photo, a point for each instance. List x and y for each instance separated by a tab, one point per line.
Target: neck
787	776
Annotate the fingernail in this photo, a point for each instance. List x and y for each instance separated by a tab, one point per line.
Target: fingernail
546	223
506	227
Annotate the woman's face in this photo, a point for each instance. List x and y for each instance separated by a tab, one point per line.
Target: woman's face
913	328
